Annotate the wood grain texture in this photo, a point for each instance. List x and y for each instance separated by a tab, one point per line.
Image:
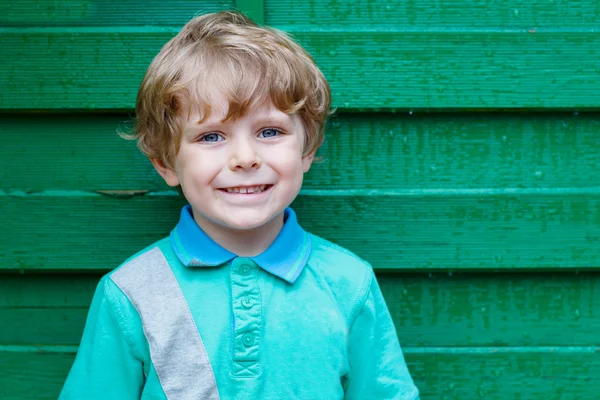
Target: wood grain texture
449	374
54	231
501	309
33	374
429	310
89	68
255	9
105	12
510	374
361	151
455	14
314	13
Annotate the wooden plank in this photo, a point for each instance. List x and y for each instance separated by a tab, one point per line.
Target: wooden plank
501	309
42	325
453	374
88	68
72	152
45	308
435	310
456	14
496	373
33	374
29	291
375	151
408	231
255	9
321	13
105	12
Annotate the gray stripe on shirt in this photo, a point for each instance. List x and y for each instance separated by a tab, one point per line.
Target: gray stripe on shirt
176	348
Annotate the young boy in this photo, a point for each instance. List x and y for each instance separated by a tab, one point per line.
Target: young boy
239	302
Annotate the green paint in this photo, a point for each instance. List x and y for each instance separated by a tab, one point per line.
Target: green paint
47	291
410	233
507	350
38	349
505	375
402	193
105	12
367	70
456	14
41	11
379	154
469	311
48	325
255	9
31	375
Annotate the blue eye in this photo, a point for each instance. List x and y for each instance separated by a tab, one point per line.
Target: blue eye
269	133
211	138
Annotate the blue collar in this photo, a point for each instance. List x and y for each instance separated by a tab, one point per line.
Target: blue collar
285	257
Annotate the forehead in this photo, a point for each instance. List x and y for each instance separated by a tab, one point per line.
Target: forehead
217	110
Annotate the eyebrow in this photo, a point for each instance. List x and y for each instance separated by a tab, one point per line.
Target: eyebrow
270	120
267	120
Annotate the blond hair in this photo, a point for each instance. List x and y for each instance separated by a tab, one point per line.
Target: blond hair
247	64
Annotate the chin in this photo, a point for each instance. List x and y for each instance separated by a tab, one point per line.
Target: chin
247	224
250	221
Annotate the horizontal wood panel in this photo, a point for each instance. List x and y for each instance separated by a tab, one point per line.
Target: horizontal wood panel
493	374
375	151
105	12
41	291
91	69
440	13
42	325
461	232
33	375
501	309
53	232
538	374
326	13
435	310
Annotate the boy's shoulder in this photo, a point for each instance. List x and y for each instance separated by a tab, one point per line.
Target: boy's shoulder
141	257
337	257
347	275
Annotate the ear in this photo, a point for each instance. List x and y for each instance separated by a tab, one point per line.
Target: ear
168	174
307	161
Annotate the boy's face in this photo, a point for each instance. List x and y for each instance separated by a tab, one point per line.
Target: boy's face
240	174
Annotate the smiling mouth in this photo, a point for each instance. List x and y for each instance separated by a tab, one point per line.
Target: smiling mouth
247	189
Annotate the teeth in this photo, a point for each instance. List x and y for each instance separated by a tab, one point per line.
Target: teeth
247	190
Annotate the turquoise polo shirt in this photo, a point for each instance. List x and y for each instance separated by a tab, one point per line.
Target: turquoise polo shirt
187	319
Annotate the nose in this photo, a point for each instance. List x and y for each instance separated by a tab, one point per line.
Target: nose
244	156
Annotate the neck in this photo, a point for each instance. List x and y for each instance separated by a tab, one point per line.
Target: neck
244	243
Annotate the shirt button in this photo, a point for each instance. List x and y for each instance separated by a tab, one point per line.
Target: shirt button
247	302
244	269
248	339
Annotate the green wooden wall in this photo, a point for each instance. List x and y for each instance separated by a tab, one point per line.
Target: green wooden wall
462	162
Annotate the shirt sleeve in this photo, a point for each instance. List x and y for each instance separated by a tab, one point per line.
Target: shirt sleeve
105	367
377	366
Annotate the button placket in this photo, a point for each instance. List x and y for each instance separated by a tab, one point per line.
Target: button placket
247	328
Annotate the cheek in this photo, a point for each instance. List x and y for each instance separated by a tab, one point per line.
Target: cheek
290	163
289	156
200	168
